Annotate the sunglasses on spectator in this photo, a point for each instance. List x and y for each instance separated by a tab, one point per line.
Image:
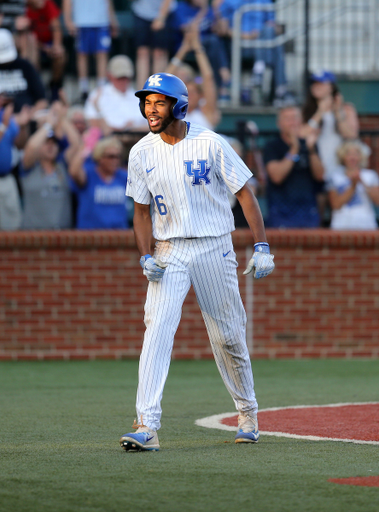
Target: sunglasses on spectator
112	156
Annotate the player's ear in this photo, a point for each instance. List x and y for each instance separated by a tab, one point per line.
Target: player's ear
142	106
172	104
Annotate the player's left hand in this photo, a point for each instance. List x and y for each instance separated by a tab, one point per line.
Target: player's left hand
153	269
262	262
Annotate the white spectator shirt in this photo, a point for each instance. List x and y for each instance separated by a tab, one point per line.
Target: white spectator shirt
186	184
119	110
90	13
359	212
150	9
196	116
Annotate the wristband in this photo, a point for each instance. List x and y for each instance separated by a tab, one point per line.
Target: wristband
293	158
3	127
48	127
262	247
143	259
313	123
176	61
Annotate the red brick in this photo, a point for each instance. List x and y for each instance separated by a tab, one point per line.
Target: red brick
81	294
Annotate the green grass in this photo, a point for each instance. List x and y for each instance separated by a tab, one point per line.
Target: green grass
60	423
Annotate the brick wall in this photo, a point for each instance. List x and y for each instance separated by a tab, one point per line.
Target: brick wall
79	295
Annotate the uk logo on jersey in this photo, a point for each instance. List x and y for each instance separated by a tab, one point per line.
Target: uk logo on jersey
155	81
199	173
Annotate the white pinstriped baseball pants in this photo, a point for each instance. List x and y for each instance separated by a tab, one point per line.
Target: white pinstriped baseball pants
200	262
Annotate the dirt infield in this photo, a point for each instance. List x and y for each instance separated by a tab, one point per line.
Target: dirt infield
354	423
344	422
364	481
348	422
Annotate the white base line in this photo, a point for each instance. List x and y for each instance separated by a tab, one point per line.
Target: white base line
215	422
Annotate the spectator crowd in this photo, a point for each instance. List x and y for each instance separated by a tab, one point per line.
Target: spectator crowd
63	164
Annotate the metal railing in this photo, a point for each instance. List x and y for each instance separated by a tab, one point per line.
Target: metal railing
339	35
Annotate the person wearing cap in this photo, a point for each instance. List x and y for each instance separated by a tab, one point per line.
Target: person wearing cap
44	177
326	115
92	23
19	80
114	107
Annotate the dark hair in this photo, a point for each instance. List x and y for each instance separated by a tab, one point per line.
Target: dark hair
310	105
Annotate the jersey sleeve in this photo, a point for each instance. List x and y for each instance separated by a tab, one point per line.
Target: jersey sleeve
233	171
136	186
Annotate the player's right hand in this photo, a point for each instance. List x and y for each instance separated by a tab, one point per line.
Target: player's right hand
153	269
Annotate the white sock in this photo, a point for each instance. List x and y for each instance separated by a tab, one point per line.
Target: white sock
281	90
259	67
101	81
83	85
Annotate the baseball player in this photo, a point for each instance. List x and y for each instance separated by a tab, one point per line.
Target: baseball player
178	176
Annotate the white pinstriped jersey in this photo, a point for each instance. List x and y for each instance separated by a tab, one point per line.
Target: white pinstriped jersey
186	183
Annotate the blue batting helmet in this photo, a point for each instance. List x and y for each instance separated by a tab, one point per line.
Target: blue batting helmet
169	85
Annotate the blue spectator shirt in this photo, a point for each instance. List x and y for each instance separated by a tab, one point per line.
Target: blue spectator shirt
101	205
251	20
292	203
185	13
6	144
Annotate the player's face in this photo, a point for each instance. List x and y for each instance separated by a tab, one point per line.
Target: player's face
158	112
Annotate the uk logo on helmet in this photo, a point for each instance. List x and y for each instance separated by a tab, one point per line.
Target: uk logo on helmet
155	81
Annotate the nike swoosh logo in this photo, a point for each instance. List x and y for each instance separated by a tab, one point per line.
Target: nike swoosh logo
149	170
225	254
149	439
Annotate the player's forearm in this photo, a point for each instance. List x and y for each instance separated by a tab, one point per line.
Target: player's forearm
143	230
252	213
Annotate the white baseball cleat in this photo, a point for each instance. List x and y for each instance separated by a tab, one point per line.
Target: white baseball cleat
247	429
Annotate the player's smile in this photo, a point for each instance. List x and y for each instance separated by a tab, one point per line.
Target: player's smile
158	112
153	121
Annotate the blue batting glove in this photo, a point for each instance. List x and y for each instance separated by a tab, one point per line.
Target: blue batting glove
153	269
262	261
